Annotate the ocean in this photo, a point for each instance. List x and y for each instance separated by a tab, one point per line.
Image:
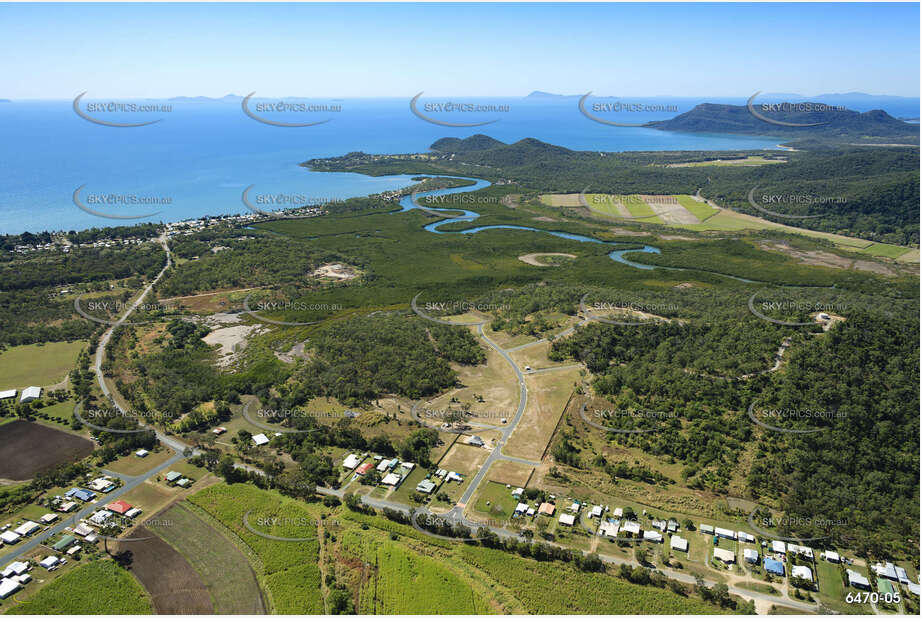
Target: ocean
201	155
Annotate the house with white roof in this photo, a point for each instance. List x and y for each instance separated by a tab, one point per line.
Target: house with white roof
857	580
597	511
521	508
724	533
779	547
260	439
803	572
653	536
27	528
351	462
801	550
18	568
618	512
567	519
30	394
631	526
48	518
9	537
8	394
832	556
744	536
608	528
750	555
724	555
49	562
679	543
8	587
391	479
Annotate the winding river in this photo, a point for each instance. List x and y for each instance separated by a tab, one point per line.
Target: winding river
468	216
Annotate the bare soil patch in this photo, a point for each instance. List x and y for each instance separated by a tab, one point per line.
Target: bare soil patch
173	585
27	449
534	258
341	272
232	340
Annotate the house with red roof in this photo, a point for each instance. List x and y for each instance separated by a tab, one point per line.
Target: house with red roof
119	506
363	468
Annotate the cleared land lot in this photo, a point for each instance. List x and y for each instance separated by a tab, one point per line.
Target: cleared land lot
172	583
37	365
510	473
547	397
222	567
29	448
494	381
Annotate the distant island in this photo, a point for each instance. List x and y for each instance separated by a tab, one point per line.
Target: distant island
836	125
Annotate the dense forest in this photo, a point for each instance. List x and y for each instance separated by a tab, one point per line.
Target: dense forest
853	389
359	360
37	290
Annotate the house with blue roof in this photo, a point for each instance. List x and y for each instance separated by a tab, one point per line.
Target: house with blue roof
773	566
81	494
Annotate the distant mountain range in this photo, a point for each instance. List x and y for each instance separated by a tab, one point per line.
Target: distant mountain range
226	97
834	125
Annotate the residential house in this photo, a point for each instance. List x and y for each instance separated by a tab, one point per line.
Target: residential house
724	555
774	566
679	543
631	526
425	486
546	509
27	528
567	519
857	580
608	529
802	572
750	555
260	439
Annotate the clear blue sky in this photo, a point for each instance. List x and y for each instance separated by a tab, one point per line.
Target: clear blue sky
397	50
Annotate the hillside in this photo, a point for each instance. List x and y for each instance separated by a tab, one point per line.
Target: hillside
839	125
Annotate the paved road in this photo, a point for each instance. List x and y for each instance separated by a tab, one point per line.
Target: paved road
86	511
130	482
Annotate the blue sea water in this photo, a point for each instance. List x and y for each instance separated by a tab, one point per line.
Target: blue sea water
202	155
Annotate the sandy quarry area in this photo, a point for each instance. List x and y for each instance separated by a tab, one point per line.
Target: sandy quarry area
336	271
232	340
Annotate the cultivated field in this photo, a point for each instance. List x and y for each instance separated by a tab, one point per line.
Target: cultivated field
172	583
99	587
29	448
222	567
37	364
288	572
